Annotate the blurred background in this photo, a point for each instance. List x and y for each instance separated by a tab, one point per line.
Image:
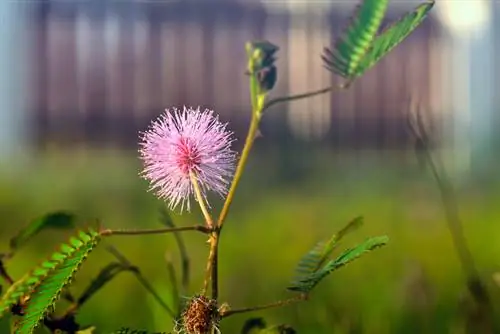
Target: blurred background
82	78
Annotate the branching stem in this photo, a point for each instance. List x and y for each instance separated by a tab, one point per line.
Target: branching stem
304	95
199	228
279	303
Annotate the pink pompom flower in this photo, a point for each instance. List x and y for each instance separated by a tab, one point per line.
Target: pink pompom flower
180	145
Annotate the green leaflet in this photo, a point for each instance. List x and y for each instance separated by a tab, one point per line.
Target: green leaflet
55	220
393	35
44	284
347	256
316	257
355	41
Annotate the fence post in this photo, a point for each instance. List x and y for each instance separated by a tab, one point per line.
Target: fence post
13	89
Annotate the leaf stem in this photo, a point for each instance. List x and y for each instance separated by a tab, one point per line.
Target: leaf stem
279	303
199	228
304	95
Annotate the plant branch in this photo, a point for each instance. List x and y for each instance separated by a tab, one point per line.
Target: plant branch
199	228
280	303
303	95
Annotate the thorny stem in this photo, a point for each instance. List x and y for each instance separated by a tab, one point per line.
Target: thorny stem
199	228
280	303
201	200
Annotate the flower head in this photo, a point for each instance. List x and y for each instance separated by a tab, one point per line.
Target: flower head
181	145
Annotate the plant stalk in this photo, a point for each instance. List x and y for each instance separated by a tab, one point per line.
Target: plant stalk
199	228
280	303
201	200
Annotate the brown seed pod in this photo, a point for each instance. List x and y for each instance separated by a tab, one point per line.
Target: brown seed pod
200	316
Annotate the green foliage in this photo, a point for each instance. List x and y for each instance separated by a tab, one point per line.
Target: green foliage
167	220
55	220
316	257
346	257
359	49
312	268
258	326
105	276
393	35
354	42
39	290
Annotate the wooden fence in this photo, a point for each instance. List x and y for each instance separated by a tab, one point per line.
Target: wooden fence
103	69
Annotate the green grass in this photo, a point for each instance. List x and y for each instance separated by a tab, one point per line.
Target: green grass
414	285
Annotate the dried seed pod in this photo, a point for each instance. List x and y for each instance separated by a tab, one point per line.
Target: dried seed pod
200	316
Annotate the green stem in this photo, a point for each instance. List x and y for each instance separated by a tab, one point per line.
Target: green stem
212	263
252	131
201	200
211	271
303	95
200	228
266	306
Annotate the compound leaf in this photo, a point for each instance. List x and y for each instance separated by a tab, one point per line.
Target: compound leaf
393	35
39	290
317	256
346	257
354	42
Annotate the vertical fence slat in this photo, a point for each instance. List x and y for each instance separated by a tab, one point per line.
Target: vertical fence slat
196	57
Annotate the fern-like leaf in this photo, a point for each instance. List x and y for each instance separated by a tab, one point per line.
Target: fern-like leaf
355	41
393	35
316	257
42	286
347	256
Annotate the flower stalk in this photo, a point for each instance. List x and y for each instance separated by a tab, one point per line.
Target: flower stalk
201	200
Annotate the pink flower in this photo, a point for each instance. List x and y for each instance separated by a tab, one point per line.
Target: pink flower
180	143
